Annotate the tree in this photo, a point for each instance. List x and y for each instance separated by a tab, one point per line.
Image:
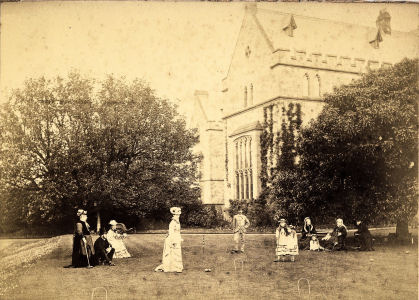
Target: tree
69	143
359	158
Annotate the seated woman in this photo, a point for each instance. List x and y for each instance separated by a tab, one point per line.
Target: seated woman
286	241
116	240
363	237
336	240
306	232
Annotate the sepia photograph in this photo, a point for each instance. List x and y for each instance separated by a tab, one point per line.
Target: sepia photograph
208	150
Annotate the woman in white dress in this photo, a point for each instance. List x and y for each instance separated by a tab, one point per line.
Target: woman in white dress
116	240
286	241
172	251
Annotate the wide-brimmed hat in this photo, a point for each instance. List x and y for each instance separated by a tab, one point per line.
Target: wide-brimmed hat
282	220
175	210
112	222
81	212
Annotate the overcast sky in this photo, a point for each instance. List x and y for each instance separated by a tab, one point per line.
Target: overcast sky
176	47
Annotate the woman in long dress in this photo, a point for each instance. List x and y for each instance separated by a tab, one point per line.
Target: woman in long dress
286	241
83	249
172	251
336	240
307	232
116	240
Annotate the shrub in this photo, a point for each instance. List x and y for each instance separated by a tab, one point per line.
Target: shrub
207	216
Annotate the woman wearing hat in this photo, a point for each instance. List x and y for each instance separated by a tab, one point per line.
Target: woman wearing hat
83	249
336	240
286	241
116	240
172	252
307	232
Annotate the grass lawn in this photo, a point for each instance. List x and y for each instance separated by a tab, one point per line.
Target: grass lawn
387	273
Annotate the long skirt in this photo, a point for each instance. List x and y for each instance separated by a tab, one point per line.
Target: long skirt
287	245
172	257
81	258
304	243
120	249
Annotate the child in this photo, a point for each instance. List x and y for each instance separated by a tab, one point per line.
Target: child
315	244
286	241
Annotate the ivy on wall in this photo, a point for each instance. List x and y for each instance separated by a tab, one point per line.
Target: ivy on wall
282	144
266	143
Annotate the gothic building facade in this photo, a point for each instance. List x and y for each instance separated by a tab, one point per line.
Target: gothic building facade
281	59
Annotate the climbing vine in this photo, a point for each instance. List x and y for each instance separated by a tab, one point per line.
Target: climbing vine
264	150
283	144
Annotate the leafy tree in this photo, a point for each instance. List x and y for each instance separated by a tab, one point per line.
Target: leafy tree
66	144
359	158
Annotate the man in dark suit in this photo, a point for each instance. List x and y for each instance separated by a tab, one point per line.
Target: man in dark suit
103	250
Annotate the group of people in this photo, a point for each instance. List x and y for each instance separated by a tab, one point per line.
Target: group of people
108	245
288	245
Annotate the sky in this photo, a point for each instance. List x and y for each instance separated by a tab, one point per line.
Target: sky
177	47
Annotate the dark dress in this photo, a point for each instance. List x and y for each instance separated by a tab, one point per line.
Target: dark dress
79	256
306	233
336	242
363	237
101	256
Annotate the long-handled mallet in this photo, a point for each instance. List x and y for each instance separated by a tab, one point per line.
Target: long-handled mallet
203	252
87	255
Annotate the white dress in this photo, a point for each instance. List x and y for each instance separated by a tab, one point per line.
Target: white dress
116	241
172	251
286	244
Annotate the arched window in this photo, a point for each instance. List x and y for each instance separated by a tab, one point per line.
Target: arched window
316	86
245	96
243	168
306	85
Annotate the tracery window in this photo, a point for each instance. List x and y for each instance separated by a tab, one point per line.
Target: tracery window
243	168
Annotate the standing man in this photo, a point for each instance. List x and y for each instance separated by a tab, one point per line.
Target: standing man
240	224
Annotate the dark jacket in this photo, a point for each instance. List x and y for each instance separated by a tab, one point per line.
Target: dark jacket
306	230
100	249
79	256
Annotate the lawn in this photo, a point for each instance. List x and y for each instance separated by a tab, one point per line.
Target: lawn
388	273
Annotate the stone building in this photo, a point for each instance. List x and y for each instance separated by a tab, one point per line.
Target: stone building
280	59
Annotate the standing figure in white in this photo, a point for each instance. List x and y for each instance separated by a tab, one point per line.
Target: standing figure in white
172	251
240	224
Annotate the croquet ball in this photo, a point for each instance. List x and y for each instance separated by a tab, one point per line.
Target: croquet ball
207	270
407	252
371	259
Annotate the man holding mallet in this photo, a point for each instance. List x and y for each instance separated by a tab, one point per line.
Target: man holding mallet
240	224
